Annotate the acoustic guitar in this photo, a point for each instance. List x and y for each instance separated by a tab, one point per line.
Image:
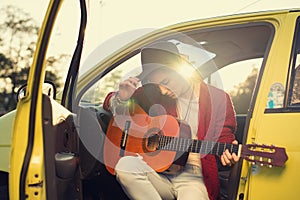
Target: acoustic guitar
163	140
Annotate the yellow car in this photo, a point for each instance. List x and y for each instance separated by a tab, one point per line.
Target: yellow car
51	146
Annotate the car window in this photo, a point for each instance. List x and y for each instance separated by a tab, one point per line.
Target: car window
96	94
294	97
238	80
62	44
226	57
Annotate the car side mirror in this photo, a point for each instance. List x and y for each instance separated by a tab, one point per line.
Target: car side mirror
49	89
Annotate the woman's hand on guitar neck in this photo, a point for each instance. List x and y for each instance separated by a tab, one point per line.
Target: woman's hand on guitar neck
228	159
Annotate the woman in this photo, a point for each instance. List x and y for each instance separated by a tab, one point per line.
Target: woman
207	110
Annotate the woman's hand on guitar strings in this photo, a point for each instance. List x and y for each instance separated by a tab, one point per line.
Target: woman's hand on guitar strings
228	159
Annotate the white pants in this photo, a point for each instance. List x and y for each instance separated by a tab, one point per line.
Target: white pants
139	181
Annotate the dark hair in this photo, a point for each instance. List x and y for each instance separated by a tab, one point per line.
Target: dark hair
149	95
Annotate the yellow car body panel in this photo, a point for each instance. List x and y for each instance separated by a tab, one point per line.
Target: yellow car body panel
6	124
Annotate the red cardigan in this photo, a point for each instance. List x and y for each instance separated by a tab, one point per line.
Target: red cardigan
217	122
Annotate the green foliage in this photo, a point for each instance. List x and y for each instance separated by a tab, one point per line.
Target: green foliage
97	93
241	95
18	36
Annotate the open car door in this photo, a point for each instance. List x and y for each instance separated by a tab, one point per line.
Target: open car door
33	162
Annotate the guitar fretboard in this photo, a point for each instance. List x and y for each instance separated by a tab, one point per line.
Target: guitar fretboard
196	146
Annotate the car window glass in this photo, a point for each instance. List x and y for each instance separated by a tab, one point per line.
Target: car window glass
295	93
96	94
226	57
238	80
62	44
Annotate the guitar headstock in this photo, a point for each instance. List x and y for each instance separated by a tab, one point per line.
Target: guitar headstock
268	155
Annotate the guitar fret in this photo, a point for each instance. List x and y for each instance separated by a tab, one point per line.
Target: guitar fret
218	149
212	147
228	146
236	149
168	143
165	143
181	144
205	148
172	144
201	145
180	141
175	144
161	142
222	148
188	145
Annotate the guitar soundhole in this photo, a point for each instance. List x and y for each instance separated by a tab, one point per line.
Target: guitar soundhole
151	142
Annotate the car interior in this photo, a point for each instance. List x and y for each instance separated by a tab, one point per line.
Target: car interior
74	170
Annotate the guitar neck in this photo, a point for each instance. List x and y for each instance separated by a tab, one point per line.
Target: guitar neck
197	146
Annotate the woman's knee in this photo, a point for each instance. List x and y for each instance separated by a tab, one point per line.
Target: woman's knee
132	164
129	167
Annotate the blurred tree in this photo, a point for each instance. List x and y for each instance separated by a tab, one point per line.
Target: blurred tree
98	92
242	93
18	36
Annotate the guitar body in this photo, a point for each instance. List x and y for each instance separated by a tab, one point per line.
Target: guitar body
140	128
